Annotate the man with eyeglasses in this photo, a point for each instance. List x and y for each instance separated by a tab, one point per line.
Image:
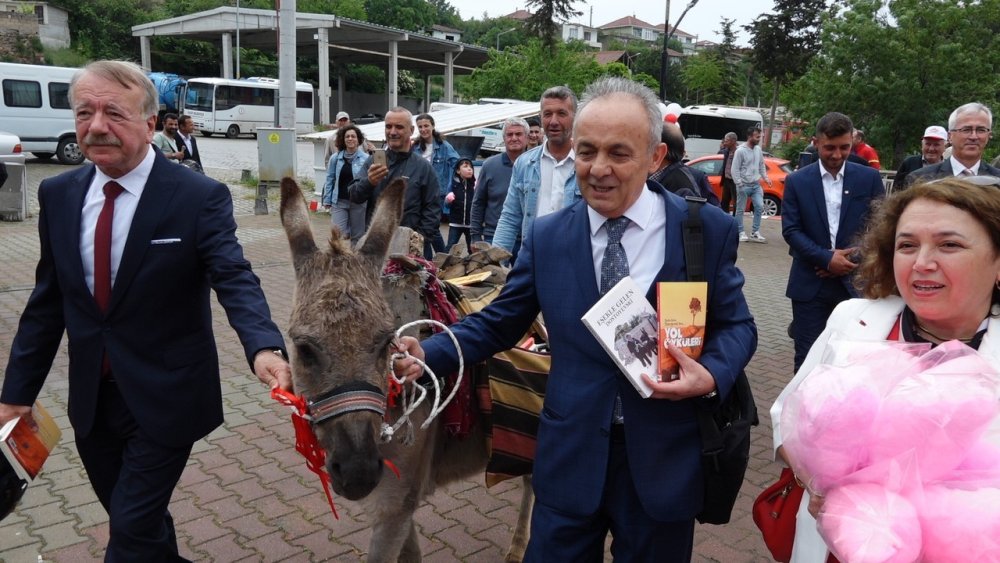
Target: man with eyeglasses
969	129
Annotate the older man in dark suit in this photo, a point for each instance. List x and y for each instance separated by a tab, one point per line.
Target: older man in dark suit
824	209
130	248
603	450
970	127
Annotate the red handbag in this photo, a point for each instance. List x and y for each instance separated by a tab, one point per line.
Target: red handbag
774	513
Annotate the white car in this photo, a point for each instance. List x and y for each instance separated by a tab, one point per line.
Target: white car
9	144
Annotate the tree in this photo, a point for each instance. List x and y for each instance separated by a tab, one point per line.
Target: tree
525	71
784	43
731	86
702	74
414	15
545	21
445	13
896	71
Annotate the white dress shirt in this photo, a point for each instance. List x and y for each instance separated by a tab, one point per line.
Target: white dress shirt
187	142
643	240
833	193
554	174
133	182
957	167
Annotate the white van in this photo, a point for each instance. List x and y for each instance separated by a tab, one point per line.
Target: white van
705	126
35	107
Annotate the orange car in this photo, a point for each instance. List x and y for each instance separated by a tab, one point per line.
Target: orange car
777	169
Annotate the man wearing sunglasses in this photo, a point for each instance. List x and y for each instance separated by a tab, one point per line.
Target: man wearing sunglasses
969	129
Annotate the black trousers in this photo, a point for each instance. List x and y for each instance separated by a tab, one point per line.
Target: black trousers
133	476
728	194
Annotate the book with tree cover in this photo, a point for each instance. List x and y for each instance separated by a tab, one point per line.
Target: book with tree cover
25	447
624	322
681	313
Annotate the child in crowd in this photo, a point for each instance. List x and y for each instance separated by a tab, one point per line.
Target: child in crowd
463	184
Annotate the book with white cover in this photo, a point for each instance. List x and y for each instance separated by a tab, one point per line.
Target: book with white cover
624	322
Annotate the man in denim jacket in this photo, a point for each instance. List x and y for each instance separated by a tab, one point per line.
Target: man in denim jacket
544	178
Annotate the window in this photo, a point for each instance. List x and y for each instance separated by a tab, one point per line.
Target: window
22	94
59	95
574	33
303	99
586	36
712	167
199	97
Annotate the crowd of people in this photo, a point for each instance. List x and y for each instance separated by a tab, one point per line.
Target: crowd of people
595	194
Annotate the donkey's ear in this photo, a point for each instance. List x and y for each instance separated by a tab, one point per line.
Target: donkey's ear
388	213
295	219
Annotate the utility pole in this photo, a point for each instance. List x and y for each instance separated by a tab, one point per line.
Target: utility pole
667	32
286	63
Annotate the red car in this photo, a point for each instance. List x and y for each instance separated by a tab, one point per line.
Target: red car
777	169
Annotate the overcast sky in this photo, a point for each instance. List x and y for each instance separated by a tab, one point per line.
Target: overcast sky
702	20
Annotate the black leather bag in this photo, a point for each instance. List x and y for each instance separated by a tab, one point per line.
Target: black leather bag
725	430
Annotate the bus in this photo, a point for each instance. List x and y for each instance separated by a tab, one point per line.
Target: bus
35	107
238	107
705	126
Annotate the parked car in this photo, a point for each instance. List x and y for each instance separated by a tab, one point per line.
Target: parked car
9	144
777	169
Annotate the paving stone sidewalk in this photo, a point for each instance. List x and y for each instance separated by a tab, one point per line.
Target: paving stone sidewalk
246	495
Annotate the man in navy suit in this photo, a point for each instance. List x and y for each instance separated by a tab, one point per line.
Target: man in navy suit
823	211
186	141
130	248
607	459
970	128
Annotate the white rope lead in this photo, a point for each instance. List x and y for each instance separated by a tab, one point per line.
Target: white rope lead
409	405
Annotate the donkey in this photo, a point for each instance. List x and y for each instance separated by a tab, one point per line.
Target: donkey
343	332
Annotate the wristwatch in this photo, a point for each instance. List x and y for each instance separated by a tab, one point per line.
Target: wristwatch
275	351
712	395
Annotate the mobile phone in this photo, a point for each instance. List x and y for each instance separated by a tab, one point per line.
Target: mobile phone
378	157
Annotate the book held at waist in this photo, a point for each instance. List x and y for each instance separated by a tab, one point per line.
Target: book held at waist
624	323
25	447
681	313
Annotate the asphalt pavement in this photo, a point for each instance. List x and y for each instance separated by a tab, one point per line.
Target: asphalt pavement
246	495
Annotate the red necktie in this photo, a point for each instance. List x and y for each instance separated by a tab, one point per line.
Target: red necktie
102	247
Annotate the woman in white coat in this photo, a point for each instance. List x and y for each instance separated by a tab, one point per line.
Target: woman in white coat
930	272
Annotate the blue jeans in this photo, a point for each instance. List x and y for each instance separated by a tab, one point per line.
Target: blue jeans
756	195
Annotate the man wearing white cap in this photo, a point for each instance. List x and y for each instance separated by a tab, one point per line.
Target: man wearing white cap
931	152
970	127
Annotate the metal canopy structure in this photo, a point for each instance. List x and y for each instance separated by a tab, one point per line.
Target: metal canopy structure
338	41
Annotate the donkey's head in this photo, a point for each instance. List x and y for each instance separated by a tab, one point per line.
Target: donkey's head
341	331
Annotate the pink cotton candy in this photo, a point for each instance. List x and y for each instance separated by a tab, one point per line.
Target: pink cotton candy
937	414
865	523
828	421
960	526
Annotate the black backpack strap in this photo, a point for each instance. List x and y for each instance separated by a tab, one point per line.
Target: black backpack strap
694	239
694	261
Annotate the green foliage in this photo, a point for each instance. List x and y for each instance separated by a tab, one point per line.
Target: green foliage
64	57
546	19
414	15
896	72
790	150
353	9
785	42
445	13
647	80
525	71
702	73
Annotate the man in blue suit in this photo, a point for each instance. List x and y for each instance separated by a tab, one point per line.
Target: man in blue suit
824	209
130	248
607	459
